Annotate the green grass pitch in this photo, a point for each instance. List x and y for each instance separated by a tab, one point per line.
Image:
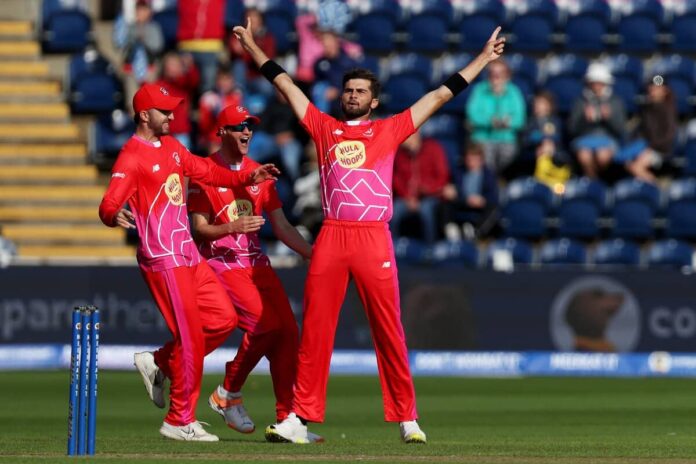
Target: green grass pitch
510	421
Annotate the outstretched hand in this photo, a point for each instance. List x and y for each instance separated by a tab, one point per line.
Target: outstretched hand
265	172
244	34
494	46
125	219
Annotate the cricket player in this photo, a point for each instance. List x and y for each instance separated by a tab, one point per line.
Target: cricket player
226	221
356	159
149	175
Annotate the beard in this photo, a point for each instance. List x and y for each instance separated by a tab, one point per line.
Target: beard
354	112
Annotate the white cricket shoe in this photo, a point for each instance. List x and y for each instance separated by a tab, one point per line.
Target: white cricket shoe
190	432
290	430
232	411
153	377
411	432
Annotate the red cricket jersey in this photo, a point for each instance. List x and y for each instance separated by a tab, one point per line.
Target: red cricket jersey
223	205
356	163
150	177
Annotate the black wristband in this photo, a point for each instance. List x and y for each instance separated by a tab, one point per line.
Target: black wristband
270	70
456	83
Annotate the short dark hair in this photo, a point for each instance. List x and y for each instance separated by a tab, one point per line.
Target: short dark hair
362	73
136	118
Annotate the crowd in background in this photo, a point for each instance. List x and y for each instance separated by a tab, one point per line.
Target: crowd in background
436	194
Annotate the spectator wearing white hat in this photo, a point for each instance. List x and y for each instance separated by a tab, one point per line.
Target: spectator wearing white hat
597	121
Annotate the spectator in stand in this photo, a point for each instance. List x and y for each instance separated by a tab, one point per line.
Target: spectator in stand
597	122
421	173
201	32
328	72
333	16
656	131
276	136
471	202
543	144
180	77
141	42
226	93
245	70
496	112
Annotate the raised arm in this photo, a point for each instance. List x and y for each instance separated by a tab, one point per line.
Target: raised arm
272	71
433	100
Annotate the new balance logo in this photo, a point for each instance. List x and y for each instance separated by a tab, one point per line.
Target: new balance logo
338	132
386	265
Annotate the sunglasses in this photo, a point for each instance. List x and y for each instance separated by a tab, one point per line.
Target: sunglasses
240	127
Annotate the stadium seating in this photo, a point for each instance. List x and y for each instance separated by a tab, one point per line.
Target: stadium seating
280	21
563	76
683	28
633	210
670	253
410	76
586	26
526	206
375	31
168	21
525	73
449	64
520	251
234	13
628	78
562	251
427	33
616	251
453	254
580	208
477	19
410	251
94	87
109	133
639	25
681	209
533	24
66	31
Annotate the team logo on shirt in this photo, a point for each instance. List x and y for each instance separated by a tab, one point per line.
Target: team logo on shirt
254	189
239	208
172	187
175	155
350	154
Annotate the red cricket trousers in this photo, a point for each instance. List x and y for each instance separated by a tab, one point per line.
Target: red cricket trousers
270	330
200	317
363	251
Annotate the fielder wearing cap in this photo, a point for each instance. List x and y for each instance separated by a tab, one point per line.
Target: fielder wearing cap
153	96
237	118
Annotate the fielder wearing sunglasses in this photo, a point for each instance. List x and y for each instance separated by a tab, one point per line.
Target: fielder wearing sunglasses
240	127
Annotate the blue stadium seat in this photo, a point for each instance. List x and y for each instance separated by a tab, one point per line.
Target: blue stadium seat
411	63
562	251
427	33
689	153
628	78
526	206
670	253
586	26
375	31
634	208
520	250
477	20
581	208
533	25
683	28
563	76
94	86
449	254
616	251
66	31
409	79
234	13
281	25
110	132
680	74
168	21
525	73
639	26
447	129
681	209
410	251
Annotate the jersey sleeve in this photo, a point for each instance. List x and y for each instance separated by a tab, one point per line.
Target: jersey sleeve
401	125
206	171
198	200
123	184
315	121
270	200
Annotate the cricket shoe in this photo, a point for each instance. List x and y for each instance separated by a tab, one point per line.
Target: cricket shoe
232	411
290	430
189	432
153	377
411	432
